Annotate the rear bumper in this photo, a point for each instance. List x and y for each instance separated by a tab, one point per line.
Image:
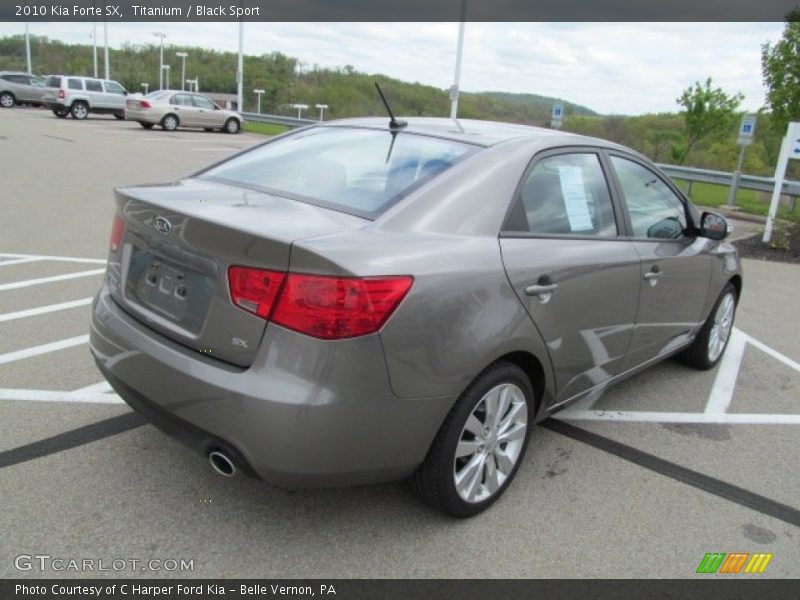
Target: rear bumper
306	413
54	105
142	116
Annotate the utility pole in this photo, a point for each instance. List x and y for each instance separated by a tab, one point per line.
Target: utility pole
158	34
28	48
183	56
94	47
454	90
105	41
321	108
240	69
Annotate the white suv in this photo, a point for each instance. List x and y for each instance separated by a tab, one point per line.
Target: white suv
80	96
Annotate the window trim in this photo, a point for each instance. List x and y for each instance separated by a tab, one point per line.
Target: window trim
691	225
619	219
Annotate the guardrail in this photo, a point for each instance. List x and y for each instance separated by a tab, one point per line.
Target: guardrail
750	182
278	120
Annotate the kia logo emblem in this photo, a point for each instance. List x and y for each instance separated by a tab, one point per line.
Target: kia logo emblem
162	225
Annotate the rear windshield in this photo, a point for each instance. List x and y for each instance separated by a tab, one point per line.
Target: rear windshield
358	171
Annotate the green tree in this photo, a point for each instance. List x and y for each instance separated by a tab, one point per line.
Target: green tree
706	111
780	67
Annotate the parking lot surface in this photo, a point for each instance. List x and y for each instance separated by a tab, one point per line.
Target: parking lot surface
668	466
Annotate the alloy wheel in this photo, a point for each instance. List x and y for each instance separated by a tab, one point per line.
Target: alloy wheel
490	443
721	329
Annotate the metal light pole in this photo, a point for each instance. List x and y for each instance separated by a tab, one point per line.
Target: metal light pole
166	68
183	56
158	34
321	108
240	69
258	93
105	42
146	87
300	108
94	47
459	53
28	48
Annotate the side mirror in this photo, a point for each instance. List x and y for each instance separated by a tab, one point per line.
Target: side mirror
713	226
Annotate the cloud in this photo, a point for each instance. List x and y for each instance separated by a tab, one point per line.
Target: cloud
621	68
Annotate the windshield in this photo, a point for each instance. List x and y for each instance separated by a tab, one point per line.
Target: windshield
358	171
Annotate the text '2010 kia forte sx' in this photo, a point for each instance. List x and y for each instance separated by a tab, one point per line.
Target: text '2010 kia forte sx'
358	301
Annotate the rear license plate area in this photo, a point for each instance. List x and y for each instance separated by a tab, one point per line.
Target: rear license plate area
171	290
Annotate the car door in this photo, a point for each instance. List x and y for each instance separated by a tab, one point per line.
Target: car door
207	114
114	95
572	268
184	107
95	94
675	262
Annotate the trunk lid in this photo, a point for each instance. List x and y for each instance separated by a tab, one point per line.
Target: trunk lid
180	240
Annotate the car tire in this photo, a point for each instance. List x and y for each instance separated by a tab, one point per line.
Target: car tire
61	113
79	110
469	466
119	116
169	122
208	129
232	126
146	125
7	100
708	347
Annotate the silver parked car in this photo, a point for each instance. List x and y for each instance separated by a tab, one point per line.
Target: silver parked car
20	88
80	96
356	302
172	109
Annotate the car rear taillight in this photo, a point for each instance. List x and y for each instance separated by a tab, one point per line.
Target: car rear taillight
117	231
321	306
144	104
254	290
60	94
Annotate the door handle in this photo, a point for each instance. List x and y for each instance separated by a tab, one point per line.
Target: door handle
541	290
652	275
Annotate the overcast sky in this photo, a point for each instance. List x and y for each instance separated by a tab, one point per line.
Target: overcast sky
622	68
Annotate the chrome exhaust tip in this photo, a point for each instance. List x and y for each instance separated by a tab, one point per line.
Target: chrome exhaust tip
221	463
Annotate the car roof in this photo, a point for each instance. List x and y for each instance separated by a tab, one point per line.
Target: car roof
483	133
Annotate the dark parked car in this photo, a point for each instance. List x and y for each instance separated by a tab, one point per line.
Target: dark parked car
357	302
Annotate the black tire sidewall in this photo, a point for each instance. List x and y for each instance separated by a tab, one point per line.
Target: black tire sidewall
701	358
77	104
164	122
8	95
232	120
496	375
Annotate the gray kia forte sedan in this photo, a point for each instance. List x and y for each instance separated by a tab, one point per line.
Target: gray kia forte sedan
368	300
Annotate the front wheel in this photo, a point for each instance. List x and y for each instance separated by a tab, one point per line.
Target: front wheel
169	123
232	125
480	445
712	339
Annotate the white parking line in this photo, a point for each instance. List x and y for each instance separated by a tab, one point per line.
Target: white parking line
49	396
668	417
98	261
29	282
96	388
18	261
725	383
32	312
9	357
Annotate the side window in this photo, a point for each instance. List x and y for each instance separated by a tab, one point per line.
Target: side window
112	87
74	84
181	100
202	102
655	210
92	85
53	81
565	195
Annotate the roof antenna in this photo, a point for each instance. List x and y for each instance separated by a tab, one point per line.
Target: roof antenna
393	123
